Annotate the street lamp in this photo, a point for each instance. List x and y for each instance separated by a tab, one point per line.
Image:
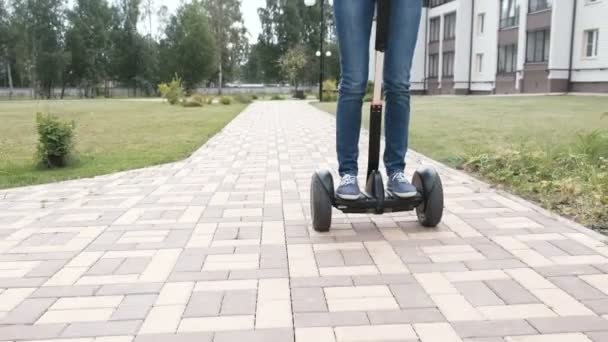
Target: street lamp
320	54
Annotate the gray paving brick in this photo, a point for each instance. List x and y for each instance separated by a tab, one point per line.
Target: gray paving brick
493	328
572	247
550	325
385	279
130	312
577	287
31	332
47	268
22	282
511	292
204	304
64	291
321	281
408	316
308	299
133	266
189	337
492	251
356	257
105	267
259	274
411	296
566	270
478	293
198	276
329	319
600	336
115	328
502	264
329	258
28	311
125	289
441	267
599	306
546	248
239	302
262	335
485	339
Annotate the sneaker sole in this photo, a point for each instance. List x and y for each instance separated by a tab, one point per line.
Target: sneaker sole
349	197
404	195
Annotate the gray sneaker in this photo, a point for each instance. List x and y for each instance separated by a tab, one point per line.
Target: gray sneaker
348	188
400	186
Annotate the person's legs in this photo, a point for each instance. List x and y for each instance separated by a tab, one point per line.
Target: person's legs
403	34
353	24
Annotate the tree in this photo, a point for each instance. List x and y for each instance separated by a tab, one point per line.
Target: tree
292	64
38	29
88	42
5	41
189	48
227	25
286	24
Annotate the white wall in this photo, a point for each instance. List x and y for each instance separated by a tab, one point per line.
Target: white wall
486	44
521	41
418	74
462	53
561	31
591	16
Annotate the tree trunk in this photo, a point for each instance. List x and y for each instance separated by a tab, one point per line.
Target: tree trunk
10	79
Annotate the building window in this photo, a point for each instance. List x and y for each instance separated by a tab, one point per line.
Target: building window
435	3
434	65
481	23
507	58
434	29
448	64
537	50
509	13
449	26
479	62
539	5
591	42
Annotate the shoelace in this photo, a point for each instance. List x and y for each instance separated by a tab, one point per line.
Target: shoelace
400	177
348	180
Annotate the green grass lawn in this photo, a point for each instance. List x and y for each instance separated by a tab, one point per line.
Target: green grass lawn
550	149
111	135
450	128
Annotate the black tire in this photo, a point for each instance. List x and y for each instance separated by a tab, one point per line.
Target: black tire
320	206
430	211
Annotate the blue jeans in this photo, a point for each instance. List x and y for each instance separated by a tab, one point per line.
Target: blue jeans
353	23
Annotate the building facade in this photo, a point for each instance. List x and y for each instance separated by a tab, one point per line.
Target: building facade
511	46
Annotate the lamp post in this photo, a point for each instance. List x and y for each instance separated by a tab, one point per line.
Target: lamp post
320	53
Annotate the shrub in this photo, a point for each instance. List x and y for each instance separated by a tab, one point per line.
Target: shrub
368	98
572	182
242	98
254	97
55	140
173	91
276	97
225	100
330	91
196	100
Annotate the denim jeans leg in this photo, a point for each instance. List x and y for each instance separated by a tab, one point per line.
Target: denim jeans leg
404	26
353	25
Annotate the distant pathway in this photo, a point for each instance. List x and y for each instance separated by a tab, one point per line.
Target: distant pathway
219	248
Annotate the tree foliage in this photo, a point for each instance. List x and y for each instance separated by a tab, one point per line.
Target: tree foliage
189	45
292	64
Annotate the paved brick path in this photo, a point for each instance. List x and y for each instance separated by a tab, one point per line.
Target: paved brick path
219	248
